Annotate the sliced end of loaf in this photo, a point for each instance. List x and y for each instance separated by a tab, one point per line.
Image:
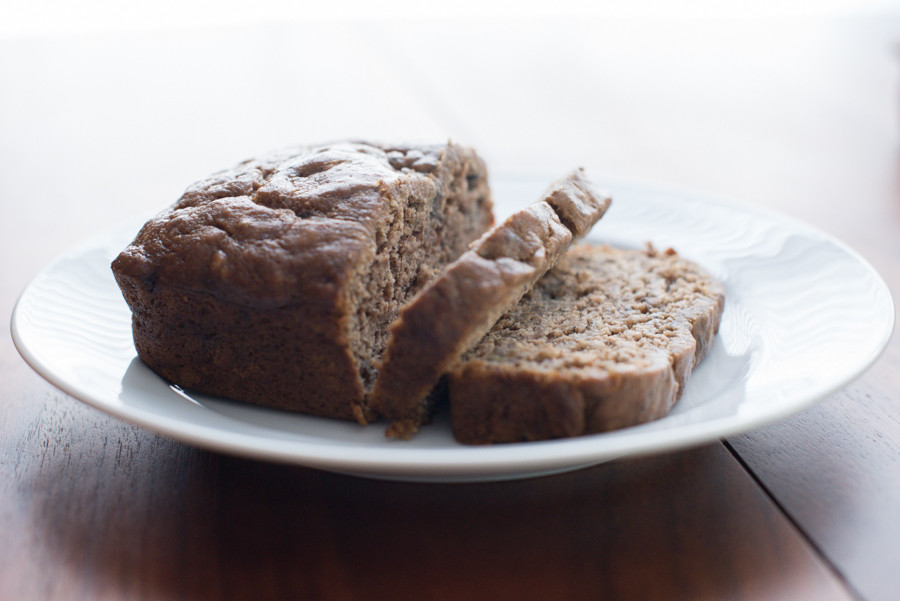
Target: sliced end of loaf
458	307
429	223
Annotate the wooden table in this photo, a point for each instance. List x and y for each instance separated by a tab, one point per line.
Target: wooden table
795	114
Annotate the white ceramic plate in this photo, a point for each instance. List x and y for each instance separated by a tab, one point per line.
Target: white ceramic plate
804	316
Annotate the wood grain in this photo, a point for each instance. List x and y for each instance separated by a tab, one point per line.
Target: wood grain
835	469
95	509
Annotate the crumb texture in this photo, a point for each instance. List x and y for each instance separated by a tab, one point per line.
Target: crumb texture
459	306
605	340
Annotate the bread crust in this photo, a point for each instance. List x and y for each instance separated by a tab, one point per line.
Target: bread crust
607	340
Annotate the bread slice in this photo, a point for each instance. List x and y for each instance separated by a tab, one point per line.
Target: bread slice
605	340
274	282
458	307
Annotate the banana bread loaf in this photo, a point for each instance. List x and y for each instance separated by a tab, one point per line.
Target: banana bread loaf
274	282
605	340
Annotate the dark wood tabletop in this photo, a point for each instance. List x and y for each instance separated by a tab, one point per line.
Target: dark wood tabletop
799	115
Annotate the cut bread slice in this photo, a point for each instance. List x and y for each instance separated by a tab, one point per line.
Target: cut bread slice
459	306
605	340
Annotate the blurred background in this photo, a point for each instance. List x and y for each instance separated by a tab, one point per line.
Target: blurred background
109	109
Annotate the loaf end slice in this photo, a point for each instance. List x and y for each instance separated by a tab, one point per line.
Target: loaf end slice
606	340
458	307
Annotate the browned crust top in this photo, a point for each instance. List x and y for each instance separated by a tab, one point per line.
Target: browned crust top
281	227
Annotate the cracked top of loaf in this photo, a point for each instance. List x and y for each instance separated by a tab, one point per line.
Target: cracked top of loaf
287	225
